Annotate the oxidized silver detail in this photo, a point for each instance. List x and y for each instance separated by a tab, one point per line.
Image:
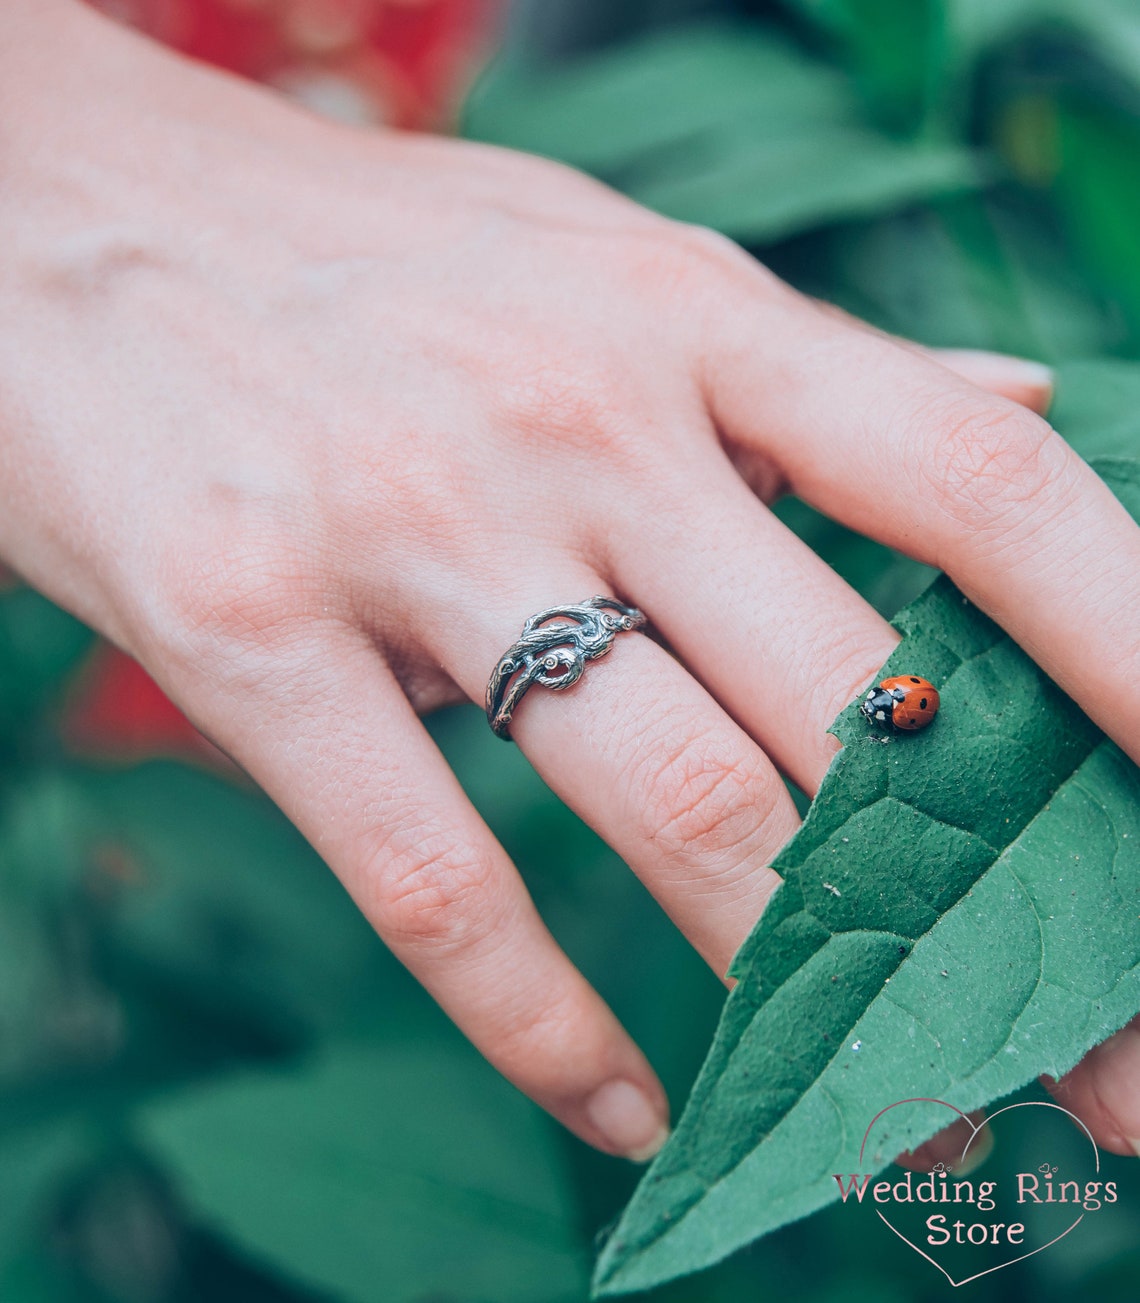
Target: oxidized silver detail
553	650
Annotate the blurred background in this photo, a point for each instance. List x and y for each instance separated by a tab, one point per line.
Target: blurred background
215	1084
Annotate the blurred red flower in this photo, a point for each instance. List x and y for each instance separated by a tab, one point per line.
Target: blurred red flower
404	63
116	711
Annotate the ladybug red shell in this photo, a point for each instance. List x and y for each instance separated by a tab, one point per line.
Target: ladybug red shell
903	701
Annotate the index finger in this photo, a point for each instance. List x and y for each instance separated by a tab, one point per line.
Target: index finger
896	446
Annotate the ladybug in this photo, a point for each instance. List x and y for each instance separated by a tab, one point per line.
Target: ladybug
903	702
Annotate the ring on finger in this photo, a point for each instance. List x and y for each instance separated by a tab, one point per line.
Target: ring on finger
552	650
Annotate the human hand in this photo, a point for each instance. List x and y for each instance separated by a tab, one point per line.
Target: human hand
341	409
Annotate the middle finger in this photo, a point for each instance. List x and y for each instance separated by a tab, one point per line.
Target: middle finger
775	634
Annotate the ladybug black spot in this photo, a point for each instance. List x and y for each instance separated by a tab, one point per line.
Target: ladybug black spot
914	680
922	704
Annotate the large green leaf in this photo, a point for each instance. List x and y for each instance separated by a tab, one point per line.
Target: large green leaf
398	1174
1097	405
727	126
958	915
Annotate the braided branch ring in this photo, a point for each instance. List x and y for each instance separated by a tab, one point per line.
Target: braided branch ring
553	650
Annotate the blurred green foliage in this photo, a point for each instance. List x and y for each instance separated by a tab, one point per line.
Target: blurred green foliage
215	1084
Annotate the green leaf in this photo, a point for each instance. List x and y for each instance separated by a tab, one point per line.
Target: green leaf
39	646
33	1165
889	44
39	1277
686	85
971	273
1098	192
978	25
913	58
55	1011
726	126
380	1173
959	914
1097	405
1110	28
772	186
212	888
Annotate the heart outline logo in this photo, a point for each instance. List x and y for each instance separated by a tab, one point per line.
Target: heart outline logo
1032	1103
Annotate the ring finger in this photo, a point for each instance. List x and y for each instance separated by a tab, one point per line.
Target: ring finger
646	756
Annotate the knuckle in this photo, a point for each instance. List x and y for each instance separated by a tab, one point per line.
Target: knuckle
987	465
542	1036
713	252
664	259
243	579
422	501
701	800
248	593
437	898
424	504
577	404
555	398
674	258
713	267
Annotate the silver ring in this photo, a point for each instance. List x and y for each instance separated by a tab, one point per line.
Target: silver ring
553	650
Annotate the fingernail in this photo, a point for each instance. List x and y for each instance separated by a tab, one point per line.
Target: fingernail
1036	374
628	1119
980	1149
1117	1069
997	370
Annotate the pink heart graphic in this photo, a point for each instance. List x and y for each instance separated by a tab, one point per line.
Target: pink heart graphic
973	1134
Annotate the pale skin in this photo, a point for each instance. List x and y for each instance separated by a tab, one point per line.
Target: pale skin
310	419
